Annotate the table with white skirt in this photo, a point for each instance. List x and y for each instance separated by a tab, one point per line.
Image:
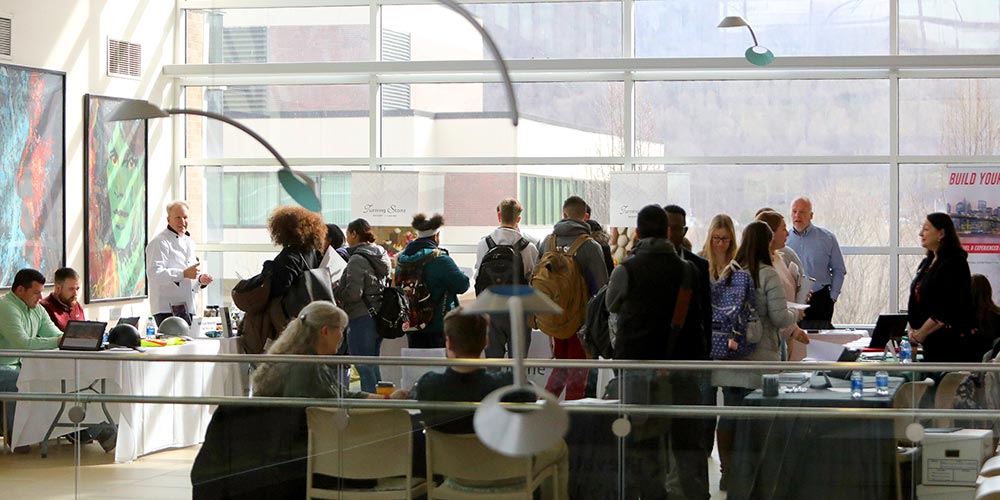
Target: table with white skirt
142	428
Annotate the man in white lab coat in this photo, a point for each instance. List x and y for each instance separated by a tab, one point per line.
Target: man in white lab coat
172	268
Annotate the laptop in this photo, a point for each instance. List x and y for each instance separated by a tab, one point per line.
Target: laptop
888	326
83	336
132	320
846	356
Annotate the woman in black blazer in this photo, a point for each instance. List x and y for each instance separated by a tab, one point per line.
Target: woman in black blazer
940	309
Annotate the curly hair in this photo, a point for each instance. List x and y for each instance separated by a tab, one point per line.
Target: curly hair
297	227
422	223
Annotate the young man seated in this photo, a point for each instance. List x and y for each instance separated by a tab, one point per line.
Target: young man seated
466	337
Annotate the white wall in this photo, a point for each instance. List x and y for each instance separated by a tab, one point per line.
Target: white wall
71	36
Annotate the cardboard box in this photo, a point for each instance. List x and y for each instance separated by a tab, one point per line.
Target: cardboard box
946	492
954	458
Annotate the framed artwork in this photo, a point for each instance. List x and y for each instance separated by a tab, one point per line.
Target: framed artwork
114	243
32	171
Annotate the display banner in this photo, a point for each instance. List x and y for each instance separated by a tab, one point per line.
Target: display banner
973	202
630	191
385	198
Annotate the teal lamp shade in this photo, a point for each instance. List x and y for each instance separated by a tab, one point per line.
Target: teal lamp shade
757	54
300	187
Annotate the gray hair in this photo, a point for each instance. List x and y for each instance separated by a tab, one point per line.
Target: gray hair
177	203
299	337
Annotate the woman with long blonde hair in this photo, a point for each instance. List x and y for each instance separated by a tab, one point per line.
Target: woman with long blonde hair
720	245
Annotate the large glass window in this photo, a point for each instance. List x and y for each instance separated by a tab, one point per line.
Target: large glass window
949	116
678	28
766	117
949	27
520	30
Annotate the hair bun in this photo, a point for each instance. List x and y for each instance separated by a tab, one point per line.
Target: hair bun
421	223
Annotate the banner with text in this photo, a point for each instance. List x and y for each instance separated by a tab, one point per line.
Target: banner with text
973	202
630	191
385	198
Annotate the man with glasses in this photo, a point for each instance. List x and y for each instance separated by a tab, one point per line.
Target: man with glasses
689	449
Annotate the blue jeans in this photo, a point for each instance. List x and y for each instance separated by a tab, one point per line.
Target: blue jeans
8	383
362	340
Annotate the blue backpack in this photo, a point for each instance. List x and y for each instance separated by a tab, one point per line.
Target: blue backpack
734	315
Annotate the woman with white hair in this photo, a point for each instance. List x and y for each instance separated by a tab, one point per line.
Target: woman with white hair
318	330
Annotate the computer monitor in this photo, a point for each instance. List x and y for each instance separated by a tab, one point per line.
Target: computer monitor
888	326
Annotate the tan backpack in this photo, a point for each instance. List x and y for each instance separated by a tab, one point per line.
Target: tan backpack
558	276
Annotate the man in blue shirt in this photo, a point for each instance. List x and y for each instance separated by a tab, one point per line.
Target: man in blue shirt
821	259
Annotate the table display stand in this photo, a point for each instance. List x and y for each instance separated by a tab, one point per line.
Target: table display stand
62	407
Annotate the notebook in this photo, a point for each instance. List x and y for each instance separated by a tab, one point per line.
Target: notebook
83	336
888	326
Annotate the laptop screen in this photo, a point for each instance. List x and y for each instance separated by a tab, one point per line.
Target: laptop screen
888	326
133	320
83	335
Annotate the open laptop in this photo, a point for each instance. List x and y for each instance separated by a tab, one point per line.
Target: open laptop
888	326
132	320
83	336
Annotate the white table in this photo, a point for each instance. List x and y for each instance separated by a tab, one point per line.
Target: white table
142	428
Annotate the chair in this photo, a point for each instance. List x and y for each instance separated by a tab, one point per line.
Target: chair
375	445
908	395
944	398
991	468
474	471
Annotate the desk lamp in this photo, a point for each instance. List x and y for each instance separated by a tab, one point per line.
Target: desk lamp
757	54
508	432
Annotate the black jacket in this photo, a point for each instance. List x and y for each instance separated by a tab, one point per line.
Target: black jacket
705	293
287	266
944	292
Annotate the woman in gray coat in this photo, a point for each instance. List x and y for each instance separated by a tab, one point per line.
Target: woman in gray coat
359	291
754	256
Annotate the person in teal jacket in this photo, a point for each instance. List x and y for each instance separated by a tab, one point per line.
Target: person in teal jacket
444	280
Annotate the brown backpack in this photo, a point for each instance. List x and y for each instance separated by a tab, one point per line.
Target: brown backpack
558	276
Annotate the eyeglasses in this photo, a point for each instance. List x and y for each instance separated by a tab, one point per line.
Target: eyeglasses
682	229
721	239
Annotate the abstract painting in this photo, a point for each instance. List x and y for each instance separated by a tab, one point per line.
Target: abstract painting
32	171
115	189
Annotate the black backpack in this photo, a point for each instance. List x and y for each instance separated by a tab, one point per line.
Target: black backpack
393	312
502	265
595	336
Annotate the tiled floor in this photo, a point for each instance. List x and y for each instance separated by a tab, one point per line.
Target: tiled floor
164	475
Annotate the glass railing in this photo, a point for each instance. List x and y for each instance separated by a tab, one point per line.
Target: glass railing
180	421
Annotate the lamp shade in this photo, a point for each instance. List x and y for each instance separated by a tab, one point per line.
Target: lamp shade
759	55
495	300
732	22
301	188
520	433
136	109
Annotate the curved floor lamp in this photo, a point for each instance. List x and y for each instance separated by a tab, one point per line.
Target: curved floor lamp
511	432
757	54
300	187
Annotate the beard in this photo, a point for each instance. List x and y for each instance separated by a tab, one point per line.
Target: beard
68	300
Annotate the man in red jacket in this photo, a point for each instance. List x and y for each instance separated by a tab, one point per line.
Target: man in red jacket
62	304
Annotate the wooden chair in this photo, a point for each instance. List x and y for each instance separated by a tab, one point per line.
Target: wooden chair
375	445
908	396
474	471
944	398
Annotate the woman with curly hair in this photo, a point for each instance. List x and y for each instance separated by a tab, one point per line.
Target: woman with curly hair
302	236
444	280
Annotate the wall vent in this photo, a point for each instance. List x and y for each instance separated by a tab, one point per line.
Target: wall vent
124	59
6	25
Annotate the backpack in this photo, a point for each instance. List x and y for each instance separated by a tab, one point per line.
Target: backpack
558	276
595	336
734	315
420	308
393	313
501	265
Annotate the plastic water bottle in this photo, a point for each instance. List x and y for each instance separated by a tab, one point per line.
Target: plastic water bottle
857	383
905	351
881	383
150	328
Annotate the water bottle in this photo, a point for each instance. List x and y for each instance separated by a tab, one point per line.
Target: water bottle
905	351
881	383
150	328
857	383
